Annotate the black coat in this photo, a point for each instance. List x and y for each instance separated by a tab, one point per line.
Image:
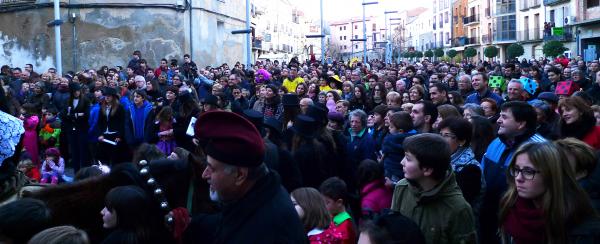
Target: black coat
72	120
264	215
114	122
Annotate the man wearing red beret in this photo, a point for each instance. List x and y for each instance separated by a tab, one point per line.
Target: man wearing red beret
256	208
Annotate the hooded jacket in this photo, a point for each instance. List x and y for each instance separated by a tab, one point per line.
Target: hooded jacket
442	213
393	152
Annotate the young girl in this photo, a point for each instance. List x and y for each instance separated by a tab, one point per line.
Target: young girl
51	128
53	167
30	122
164	121
314	216
30	170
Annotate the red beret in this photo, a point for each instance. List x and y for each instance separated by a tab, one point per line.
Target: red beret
230	138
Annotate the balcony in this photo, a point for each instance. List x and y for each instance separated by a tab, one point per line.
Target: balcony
529	35
554	2
505	9
473	41
563	34
486	39
11	3
524	5
473	19
505	36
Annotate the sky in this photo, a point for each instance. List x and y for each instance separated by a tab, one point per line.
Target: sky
343	9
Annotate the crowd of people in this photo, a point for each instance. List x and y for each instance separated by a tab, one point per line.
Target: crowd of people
304	152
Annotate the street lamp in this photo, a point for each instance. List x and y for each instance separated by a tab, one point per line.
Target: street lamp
388	54
365	30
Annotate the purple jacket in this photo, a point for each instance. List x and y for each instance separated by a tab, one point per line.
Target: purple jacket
375	197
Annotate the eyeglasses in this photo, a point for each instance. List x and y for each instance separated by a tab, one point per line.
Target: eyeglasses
527	173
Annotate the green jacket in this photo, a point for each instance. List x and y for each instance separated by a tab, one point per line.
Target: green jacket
442	213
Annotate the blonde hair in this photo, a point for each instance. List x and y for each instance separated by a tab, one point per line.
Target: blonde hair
60	235
564	203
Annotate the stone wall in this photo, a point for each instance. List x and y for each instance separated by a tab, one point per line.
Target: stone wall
107	32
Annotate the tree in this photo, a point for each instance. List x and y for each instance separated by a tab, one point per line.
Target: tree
418	54
406	55
490	52
428	53
451	53
470	52
514	50
439	52
554	49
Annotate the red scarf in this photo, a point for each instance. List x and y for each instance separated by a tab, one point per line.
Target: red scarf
525	223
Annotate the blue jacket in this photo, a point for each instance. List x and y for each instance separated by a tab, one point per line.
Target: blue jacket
476	98
144	125
360	147
494	166
93	121
393	152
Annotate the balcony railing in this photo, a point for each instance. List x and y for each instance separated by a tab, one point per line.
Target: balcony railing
463	41
505	9
505	36
8	3
473	41
554	2
486	39
564	35
529	35
524	5
471	19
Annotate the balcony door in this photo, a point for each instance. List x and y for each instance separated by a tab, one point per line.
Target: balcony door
536	26
526	28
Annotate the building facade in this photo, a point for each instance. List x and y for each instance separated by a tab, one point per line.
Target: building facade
344	35
106	32
442	23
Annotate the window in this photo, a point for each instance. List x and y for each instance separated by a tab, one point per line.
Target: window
345	47
593	3
446	17
356	46
344	37
355	27
447	37
340	28
374	27
340	38
355	36
344	27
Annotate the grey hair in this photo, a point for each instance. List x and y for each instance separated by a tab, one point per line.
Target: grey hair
360	114
476	108
465	76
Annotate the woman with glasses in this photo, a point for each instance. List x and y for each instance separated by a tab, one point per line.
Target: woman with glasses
543	202
458	133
